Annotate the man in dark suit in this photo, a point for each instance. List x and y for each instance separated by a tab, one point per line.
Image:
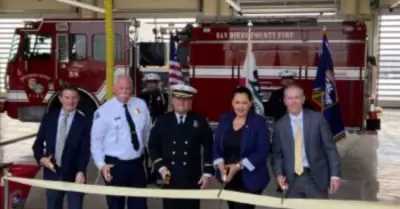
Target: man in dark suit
176	143
62	147
305	158
275	107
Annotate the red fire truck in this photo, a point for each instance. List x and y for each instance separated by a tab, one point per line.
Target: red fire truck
47	54
217	53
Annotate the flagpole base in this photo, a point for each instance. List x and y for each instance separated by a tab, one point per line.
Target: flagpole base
373	124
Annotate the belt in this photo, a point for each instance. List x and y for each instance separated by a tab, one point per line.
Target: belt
305	170
110	159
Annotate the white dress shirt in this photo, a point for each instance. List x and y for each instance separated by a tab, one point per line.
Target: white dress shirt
111	134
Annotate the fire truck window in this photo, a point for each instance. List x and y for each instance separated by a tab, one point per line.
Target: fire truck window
37	47
99	47
14	48
77	47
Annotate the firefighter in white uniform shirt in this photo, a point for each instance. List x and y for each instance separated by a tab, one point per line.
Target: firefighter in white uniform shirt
120	132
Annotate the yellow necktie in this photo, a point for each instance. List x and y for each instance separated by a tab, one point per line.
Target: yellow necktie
298	149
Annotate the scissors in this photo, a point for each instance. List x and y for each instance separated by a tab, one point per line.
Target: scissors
224	177
283	195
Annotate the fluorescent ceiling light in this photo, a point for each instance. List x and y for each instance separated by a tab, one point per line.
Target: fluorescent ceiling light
287	14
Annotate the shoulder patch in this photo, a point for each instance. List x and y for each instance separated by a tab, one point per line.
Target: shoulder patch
96	115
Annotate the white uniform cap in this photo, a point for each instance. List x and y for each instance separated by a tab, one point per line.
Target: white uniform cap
287	74
151	77
183	90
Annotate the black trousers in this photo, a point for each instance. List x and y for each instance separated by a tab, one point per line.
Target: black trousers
237	184
126	173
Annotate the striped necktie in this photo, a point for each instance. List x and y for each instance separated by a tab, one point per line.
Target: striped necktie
298	149
60	144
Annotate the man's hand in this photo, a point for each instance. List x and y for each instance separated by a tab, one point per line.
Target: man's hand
282	182
221	168
46	162
232	170
165	174
80	178
335	185
105	170
203	182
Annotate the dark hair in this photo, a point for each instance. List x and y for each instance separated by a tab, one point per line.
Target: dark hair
69	88
243	90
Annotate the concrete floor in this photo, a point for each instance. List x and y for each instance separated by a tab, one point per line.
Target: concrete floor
370	167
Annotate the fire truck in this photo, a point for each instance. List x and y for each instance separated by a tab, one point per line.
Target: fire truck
217	53
47	54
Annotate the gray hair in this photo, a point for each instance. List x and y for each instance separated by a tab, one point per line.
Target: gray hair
123	76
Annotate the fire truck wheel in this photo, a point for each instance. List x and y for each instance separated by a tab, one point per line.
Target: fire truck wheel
86	104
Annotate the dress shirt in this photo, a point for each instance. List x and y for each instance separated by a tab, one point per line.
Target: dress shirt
111	135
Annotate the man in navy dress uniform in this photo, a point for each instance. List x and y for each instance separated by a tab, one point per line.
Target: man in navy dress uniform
275	107
175	146
157	104
120	132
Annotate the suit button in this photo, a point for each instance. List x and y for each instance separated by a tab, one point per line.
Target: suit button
184	163
173	152
185	153
174	142
186	142
172	163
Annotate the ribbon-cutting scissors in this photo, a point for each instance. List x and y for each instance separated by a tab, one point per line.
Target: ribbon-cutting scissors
224	180
284	190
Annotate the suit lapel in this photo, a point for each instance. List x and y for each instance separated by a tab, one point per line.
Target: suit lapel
53	127
306	126
289	135
288	126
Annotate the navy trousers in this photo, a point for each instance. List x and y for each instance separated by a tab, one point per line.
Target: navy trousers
126	173
55	199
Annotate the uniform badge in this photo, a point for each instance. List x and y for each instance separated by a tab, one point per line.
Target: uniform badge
137	111
195	124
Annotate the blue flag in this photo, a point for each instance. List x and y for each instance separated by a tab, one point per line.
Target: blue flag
325	93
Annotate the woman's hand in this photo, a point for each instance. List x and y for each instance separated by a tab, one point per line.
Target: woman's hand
232	170
222	170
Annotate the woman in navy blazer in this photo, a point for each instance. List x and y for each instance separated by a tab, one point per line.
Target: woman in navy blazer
241	148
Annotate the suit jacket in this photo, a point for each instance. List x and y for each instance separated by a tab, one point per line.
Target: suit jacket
255	146
76	152
321	151
276	108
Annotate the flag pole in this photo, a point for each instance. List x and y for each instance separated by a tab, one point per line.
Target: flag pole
169	82
323	92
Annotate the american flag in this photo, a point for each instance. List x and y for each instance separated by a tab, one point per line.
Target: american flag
175	75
